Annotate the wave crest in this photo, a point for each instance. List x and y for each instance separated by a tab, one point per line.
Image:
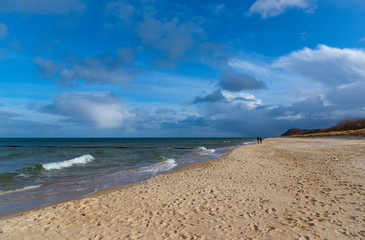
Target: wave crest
166	165
68	163
205	151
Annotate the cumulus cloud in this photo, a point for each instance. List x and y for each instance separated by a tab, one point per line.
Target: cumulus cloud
47	67
349	98
245	100
104	110
329	65
164	110
234	114
305	109
230	85
341	71
110	69
234	81
171	36
102	69
272	8
94	73
338	74
215	96
41	6
313	109
247	115
166	31
3	30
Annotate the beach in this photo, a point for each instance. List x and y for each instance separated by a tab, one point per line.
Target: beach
285	188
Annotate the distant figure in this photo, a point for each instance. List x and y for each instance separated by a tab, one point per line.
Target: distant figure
260	139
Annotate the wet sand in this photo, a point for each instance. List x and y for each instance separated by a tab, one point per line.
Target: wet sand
285	188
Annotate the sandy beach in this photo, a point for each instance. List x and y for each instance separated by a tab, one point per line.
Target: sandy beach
285	188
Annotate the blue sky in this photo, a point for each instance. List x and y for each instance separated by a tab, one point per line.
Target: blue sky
150	68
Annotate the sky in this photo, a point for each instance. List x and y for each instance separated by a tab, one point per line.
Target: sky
156	68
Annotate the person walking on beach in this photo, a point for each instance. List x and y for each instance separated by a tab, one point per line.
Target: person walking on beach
260	139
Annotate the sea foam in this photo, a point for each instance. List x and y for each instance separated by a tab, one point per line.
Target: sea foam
68	163
20	189
205	151
166	165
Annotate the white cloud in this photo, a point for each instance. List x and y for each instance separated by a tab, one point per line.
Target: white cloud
272	8
327	85
336	75
3	30
328	65
241	98
104	110
290	117
324	67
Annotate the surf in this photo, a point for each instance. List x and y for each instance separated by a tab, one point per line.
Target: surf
205	151
84	159
163	166
20	189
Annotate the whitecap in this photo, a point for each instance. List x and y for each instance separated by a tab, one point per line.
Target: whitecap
68	163
164	166
205	151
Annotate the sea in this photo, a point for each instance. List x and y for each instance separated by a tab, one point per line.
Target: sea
37	172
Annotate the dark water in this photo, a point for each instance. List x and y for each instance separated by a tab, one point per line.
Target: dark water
40	172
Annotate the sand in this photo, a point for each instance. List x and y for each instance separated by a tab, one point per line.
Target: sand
285	188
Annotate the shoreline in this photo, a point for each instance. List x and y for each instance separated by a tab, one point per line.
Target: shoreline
105	191
285	188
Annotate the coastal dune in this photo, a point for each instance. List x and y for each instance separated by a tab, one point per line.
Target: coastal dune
285	188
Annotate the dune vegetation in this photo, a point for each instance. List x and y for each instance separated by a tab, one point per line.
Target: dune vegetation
348	127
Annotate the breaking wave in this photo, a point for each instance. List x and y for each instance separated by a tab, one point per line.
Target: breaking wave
205	151
164	166
68	163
